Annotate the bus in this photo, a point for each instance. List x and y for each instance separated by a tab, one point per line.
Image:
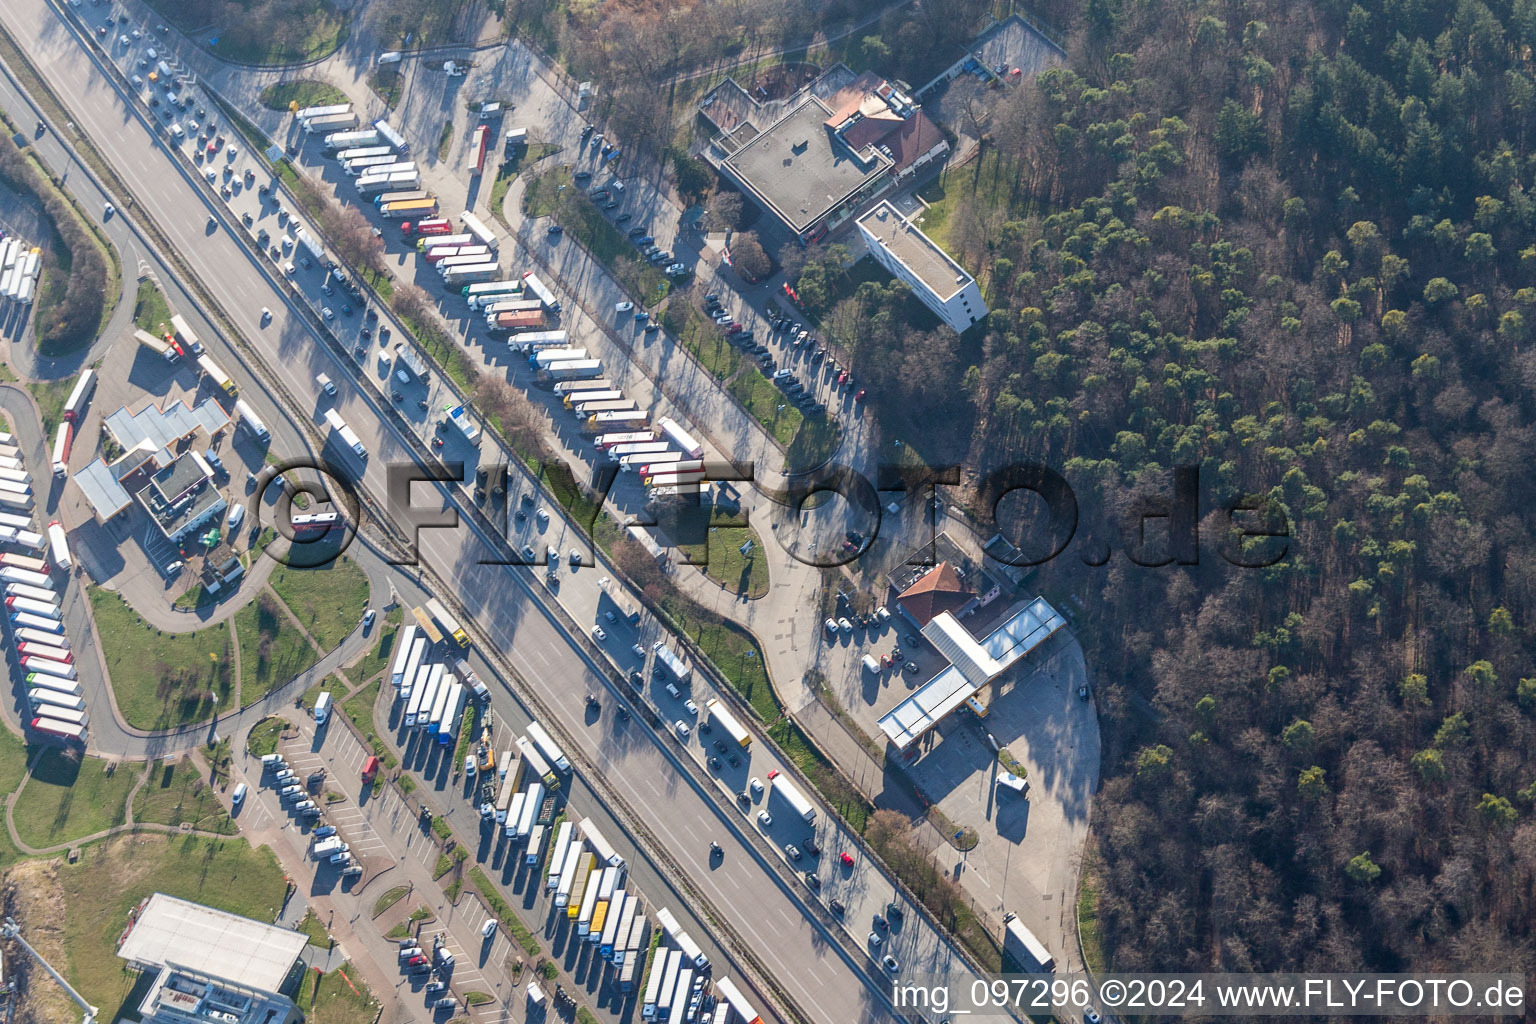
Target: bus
449	624
74	409
315	524
475	226
216	374
69	731
547	746
532	284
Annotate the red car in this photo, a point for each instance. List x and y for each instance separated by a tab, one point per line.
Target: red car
860	396
842	378
413	961
773	775
846	858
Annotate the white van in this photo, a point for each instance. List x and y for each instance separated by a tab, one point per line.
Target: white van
323	707
239	793
176	132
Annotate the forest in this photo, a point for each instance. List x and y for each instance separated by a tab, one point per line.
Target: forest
1289	244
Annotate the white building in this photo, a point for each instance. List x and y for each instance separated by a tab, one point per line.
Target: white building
212	967
913	257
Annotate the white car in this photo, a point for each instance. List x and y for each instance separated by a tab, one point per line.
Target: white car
488	929
212	176
469	764
327	312
831	627
755	785
599	634
236	517
682	728
623	307
693	709
845	625
368	617
109	210
765	819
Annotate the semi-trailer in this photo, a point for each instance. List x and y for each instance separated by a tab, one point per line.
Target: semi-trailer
439	704
429	695
329	123
33	606
532	341
43	594
437	238
346	434
512	303
76	716
604	422
413	705
363	152
1020	944
571	399
477	293
58	547
159	346
504	798
547	746
682	939
583	914
250	422
607	441
29	563
55	683
453	718
395	139
400	197
568	387
584	869
621	912
515	815
632	958
63	441
47	651
530	811
557	855
405	641
216	374
600	844
599	921
723	719
568	870
790	794
680	669
434	253
40	697
305	113
16	501
664	482
732	995
36	664
467	256
535	848
428	226
516	320
11	574
357	165
538	768
447	622
532	284
677	1012
376	181
456	276
593	407
475	226
544	357
337	141
660	967
642	461
26	540
36	629
672	431
412	208
69	731
85	386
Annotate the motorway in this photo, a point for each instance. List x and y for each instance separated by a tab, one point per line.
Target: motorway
754	896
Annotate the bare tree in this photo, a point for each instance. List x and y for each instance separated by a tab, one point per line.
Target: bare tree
750	258
411	302
725	209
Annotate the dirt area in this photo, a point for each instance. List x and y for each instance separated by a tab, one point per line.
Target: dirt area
32	896
781	80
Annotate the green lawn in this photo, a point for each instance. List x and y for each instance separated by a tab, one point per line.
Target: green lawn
580	217
732	650
163	680
261	31
445	141
264	737
69	798
14	758
768	404
714	542
359	709
306	92
337	998
328	599
150	310
389	899
387	629
315	929
272	650
50	397
111	878
178	792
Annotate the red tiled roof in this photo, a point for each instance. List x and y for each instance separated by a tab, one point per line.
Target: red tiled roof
939	590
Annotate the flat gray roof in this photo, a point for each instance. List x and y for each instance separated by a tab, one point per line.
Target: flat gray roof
212	942
800	169
102	490
917	251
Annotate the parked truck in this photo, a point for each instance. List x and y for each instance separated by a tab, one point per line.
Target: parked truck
412	208
250	422
159	346
680	669
58	547
1020	944
337	141
330	123
516	320
683	940
672	431
575	368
